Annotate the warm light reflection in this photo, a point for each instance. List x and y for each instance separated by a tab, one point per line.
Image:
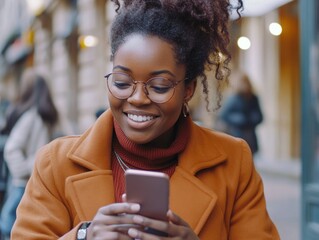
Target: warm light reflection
88	41
36	6
275	29
243	43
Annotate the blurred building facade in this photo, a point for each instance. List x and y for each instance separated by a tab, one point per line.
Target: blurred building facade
50	43
51	36
273	64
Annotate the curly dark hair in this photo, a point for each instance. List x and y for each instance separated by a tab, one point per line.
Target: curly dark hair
197	29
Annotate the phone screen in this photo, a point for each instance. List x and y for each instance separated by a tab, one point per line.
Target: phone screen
149	189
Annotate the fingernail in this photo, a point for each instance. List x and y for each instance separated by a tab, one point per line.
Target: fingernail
138	219
135	207
132	232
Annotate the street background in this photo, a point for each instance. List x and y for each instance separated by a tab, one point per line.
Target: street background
283	197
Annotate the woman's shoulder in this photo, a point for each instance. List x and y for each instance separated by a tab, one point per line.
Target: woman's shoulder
218	136
60	145
219	147
218	140
54	155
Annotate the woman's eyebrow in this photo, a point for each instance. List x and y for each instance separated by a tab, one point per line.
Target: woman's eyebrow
122	68
161	72
154	73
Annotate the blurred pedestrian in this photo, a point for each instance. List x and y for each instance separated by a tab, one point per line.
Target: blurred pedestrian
4	103
31	121
99	112
241	111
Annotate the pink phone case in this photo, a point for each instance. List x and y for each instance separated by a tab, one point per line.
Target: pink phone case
149	189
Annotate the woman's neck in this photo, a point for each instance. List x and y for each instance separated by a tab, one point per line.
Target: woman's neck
164	140
167	145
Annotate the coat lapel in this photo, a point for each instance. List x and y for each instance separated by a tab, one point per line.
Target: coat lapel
93	149
89	191
93	188
191	199
202	151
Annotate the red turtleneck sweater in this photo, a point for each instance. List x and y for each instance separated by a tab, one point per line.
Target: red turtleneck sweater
145	157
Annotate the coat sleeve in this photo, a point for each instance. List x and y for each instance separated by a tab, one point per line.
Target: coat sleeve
43	213
250	219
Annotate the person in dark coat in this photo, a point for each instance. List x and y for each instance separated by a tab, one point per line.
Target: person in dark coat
242	113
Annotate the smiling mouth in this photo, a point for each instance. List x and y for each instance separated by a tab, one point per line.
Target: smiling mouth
140	118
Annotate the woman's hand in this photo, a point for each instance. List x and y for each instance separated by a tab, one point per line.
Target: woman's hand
113	221
176	228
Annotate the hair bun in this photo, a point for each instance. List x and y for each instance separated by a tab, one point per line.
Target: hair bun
196	11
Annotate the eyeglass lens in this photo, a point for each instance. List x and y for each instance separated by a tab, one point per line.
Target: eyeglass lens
122	86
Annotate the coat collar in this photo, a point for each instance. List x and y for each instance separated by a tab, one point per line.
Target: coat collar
93	148
93	151
202	151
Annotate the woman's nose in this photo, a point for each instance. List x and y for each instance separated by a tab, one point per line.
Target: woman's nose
139	96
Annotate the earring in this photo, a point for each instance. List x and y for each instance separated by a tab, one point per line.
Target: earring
185	109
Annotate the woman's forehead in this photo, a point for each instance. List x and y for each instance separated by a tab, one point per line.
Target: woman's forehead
145	56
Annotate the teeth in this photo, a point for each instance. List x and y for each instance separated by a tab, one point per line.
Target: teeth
139	118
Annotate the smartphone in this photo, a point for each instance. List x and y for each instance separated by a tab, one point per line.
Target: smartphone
151	190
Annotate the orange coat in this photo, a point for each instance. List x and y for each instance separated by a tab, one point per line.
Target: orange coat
215	187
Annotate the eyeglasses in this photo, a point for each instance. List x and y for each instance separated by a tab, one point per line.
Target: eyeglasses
157	89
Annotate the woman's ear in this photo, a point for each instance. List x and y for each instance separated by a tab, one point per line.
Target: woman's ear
190	90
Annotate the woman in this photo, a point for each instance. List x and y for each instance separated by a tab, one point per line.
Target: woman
241	112
159	49
31	121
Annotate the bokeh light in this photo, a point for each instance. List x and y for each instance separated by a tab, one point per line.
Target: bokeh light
87	41
275	29
243	43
